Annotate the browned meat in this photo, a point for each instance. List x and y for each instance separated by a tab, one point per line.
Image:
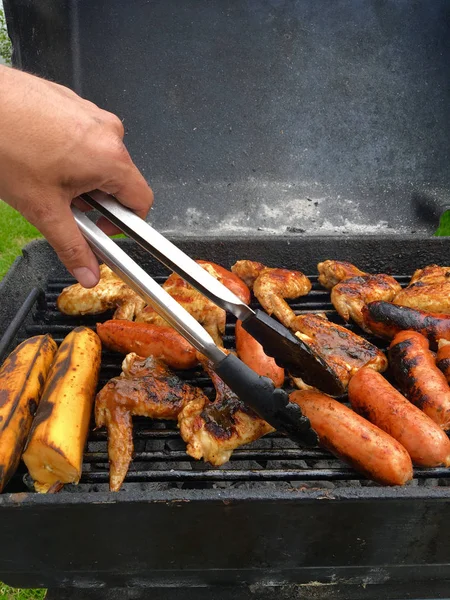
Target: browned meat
212	430
414	368
443	358
110	292
146	388
331	272
387	319
350	292
429	290
248	271
343	351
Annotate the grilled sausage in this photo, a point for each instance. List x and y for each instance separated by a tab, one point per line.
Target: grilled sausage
350	437
251	352
230	280
146	339
387	319
443	358
415	370
379	402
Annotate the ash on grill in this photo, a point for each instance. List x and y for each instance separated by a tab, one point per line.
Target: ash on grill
160	461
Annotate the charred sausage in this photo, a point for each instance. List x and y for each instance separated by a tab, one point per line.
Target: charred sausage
387	319
251	352
379	402
415	370
350	437
146	339
443	358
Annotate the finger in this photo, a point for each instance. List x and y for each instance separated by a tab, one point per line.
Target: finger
130	188
63	234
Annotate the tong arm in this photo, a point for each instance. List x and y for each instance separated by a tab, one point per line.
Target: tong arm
166	252
141	282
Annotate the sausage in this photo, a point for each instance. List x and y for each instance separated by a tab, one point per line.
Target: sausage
229	280
379	402
146	339
252	354
413	366
387	319
350	437
443	358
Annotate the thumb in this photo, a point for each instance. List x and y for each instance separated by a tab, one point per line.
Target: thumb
63	234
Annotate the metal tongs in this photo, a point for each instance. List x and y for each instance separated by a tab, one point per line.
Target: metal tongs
290	352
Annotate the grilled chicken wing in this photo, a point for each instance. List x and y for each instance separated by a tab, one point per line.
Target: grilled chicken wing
343	351
331	272
212	430
350	293
110	292
429	290
146	388
272	286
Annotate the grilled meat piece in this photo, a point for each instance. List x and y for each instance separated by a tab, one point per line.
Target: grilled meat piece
343	351
386	319
331	272
110	292
350	293
212	430
443	358
201	308
248	271
274	285
146	339
414	368
351	438
429	290
146	388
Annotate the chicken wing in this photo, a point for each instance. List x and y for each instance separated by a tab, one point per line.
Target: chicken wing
272	286
332	272
147	388
212	430
110	292
343	351
350	292
429	290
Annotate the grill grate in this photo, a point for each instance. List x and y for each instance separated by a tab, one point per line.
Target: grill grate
160	457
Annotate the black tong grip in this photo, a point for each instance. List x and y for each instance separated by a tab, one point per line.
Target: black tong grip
270	403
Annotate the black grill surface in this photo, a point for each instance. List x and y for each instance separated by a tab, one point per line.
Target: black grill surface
160	459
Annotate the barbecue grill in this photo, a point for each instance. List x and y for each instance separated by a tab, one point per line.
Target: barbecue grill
271	126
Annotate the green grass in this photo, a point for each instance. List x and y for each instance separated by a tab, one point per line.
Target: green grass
15	233
444	225
7	593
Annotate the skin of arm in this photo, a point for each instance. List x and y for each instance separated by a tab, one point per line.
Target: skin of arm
54	146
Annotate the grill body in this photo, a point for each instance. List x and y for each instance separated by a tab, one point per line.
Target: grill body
276	515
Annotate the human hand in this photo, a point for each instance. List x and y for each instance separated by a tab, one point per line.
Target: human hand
55	146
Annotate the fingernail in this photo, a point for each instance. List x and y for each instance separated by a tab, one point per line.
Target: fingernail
85	276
